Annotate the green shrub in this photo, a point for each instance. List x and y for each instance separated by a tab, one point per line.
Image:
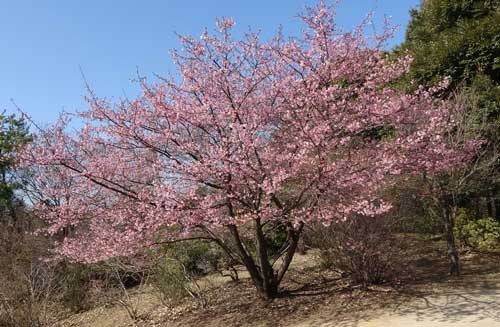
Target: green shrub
427	223
482	234
174	276
275	237
197	257
169	279
75	287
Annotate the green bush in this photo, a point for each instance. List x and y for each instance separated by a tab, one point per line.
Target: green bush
169	279
482	234
174	276
275	237
197	257
75	287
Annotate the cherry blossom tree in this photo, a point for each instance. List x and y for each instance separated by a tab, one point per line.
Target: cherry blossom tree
247	133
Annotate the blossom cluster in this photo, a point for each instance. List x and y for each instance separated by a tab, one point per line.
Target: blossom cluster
298	130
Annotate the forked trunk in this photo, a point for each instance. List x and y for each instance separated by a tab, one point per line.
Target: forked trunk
264	277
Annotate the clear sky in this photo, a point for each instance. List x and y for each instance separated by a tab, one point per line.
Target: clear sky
44	42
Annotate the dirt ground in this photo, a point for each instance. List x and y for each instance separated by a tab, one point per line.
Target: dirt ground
318	297
476	305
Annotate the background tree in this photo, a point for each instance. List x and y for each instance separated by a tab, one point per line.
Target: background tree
448	190
13	135
461	39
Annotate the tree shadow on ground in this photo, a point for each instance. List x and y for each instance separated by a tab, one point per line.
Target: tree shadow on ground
422	294
312	296
434	298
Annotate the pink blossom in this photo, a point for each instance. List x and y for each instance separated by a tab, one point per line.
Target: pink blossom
298	130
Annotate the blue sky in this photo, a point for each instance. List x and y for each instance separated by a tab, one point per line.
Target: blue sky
43	43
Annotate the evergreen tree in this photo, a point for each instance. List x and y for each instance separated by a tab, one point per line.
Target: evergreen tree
13	134
461	39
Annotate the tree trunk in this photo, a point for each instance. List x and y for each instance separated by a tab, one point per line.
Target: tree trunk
477	207
294	236
269	281
448	217
493	207
246	258
264	277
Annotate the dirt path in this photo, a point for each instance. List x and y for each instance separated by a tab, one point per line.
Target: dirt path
474	306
